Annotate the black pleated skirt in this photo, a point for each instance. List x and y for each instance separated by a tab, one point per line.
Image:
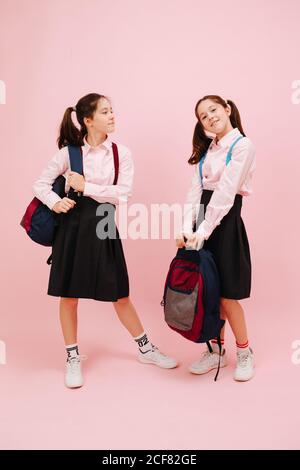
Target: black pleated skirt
230	247
83	265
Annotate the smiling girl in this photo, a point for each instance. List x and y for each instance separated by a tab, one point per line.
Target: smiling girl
220	186
84	265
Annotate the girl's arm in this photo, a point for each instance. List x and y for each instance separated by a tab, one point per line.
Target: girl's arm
192	203
231	180
118	193
42	187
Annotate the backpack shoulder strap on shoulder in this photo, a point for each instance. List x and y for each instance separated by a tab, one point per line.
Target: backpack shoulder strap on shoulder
116	161
201	165
229	154
75	156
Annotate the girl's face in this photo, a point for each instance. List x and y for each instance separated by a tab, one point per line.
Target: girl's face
214	117
103	120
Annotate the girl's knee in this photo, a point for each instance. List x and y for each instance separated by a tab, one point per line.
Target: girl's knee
69	300
122	301
227	303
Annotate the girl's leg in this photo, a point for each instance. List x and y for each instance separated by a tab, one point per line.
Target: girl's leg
235	315
68	319
223	317
214	342
245	362
148	353
128	316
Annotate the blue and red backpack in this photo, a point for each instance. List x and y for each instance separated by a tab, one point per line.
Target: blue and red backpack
191	297
39	221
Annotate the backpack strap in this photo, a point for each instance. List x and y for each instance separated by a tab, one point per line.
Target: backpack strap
220	351
229	154
76	163
228	157
75	156
201	165
116	161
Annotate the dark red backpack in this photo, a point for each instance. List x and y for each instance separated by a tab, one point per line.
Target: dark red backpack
191	297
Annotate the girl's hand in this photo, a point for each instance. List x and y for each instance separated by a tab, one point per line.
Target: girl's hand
76	181
195	241
181	240
64	205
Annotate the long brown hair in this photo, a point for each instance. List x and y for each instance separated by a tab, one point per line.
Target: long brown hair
69	134
201	141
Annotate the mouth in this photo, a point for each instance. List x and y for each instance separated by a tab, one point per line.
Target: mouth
213	124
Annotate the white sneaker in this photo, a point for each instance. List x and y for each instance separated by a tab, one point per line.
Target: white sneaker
156	357
245	366
73	376
207	362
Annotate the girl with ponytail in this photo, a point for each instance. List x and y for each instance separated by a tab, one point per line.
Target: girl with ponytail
219	184
85	265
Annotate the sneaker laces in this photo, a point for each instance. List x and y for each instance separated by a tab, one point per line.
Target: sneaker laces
156	350
206	354
243	359
75	361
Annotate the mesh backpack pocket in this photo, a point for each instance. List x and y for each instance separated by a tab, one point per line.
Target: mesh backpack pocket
181	295
180	308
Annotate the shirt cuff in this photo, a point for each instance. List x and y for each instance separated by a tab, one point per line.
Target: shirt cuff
205	230
52	199
88	189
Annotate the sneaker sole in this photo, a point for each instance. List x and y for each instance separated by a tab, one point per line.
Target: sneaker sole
147	361
243	380
192	371
74	386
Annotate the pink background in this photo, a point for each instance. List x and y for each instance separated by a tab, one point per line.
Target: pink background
155	60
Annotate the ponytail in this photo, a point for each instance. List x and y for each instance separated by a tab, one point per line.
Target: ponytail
69	134
200	144
235	117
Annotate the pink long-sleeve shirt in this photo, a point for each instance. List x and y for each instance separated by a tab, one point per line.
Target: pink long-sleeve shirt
98	169
225	181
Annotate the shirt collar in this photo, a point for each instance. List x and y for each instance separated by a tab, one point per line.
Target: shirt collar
227	139
87	147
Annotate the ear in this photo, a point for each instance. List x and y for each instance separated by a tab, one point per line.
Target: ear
228	109
87	121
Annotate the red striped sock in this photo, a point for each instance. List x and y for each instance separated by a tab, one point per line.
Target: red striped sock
215	341
242	346
215	346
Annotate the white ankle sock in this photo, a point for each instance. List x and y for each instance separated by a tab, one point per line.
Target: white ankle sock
72	350
143	343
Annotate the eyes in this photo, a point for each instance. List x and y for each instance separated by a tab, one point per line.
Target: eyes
105	111
205	116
